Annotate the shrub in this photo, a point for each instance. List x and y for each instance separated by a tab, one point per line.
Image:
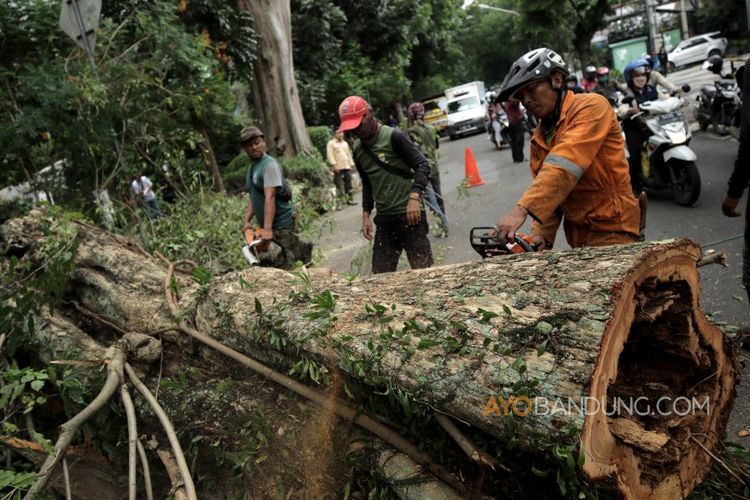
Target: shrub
310	169
14	208
234	173
204	227
320	136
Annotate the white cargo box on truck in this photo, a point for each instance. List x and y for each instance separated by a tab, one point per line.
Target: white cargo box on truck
466	108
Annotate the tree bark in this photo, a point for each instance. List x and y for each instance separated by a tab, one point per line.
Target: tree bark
275	96
567	330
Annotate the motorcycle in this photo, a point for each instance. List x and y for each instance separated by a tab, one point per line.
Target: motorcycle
668	163
717	104
497	129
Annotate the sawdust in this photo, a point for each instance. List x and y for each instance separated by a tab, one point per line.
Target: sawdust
317	446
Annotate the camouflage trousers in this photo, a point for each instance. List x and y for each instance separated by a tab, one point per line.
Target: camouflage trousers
295	250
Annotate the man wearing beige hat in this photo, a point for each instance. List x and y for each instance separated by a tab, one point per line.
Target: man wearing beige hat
271	201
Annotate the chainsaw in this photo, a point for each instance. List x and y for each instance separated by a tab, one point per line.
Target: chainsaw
260	252
484	240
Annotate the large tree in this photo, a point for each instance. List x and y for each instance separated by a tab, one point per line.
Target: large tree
274	88
575	22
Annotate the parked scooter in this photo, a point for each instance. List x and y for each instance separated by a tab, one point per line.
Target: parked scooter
717	104
668	163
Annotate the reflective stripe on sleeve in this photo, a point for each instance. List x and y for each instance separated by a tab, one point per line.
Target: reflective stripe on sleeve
565	164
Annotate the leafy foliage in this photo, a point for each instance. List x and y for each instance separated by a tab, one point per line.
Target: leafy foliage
320	137
26	286
205	228
155	83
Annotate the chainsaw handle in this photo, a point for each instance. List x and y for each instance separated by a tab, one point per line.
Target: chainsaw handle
525	244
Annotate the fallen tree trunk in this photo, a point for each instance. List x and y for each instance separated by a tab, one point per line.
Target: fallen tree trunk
604	347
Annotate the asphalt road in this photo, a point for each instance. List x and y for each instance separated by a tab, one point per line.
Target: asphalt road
504	181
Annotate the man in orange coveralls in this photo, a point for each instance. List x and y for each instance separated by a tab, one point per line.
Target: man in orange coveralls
580	173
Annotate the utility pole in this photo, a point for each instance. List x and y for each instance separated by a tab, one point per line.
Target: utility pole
651	25
683	19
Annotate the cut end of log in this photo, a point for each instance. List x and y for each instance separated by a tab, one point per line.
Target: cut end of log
665	378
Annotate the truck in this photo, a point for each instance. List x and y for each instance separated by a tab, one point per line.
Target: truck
435	108
466	109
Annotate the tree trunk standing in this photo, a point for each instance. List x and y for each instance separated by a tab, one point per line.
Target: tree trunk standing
275	97
578	332
209	156
590	18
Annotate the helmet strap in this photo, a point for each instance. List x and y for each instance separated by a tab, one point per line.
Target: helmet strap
550	122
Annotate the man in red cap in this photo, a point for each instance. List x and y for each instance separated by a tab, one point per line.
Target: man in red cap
394	175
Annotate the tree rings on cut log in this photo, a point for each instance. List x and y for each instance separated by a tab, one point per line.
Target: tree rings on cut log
661	356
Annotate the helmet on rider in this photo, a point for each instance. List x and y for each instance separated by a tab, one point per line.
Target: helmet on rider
416	111
602	72
536	65
590	73
714	64
636	67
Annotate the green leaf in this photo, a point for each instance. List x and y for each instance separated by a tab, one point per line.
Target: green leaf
37	385
202	276
486	315
459	326
544	327
425	343
258	307
43	441
507	311
541	348
17	480
539	472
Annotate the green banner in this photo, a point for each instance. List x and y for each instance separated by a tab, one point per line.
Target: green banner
625	51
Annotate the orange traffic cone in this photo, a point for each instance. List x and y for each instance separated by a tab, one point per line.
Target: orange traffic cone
472	173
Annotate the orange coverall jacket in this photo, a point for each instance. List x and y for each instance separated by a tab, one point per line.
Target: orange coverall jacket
582	177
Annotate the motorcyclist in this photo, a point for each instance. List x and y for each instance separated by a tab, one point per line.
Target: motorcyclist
655	78
571	82
589	82
608	88
636	74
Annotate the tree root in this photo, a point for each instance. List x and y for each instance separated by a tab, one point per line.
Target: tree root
168	429
146	470
66	478
116	354
127	402
467	445
178	486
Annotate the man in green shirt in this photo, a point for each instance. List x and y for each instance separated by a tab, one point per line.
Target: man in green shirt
270	201
394	175
426	139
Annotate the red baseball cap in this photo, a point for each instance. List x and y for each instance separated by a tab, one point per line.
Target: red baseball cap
351	112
